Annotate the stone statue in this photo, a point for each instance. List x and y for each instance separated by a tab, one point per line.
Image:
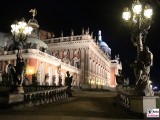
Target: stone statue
34	12
34	79
17	73
12	74
82	31
148	60
68	82
142	73
72	32
119	80
60	80
20	67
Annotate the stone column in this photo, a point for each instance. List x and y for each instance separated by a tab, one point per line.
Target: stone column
87	65
82	66
93	67
90	66
71	56
103	73
96	68
60	54
100	73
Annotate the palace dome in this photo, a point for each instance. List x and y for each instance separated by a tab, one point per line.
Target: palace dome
35	42
104	46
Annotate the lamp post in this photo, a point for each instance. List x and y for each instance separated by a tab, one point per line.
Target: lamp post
139	21
20	31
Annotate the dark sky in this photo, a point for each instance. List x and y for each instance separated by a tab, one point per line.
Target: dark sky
104	15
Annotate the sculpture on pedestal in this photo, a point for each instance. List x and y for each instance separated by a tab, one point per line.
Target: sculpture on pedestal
20	30
17	73
140	21
142	73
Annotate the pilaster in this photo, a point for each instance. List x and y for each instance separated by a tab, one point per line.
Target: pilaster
87	65
60	54
71	54
82	65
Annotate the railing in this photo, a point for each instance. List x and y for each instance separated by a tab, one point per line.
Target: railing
45	96
124	100
123	97
33	88
28	88
36	95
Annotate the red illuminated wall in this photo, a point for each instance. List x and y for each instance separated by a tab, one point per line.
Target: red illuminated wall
112	76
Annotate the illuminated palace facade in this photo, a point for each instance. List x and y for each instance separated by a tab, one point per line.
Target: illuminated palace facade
91	56
87	59
48	69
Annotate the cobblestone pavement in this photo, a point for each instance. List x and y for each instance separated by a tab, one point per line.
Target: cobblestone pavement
84	105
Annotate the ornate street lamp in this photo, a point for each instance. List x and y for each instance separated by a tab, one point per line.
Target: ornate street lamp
20	31
139	21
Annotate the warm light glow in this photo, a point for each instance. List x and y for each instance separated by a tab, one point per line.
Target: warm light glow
92	82
27	30
126	15
30	70
148	12
99	83
137	7
137	10
22	24
103	83
15	28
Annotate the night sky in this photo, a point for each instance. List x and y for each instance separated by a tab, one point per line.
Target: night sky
105	15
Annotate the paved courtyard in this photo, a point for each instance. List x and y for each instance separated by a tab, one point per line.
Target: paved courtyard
84	105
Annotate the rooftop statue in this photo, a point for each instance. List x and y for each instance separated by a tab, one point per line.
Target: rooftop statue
34	12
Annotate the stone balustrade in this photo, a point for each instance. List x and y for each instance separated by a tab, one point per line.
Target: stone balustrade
63	39
123	99
28	88
45	96
34	95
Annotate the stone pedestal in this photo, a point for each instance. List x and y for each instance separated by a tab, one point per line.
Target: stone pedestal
140	104
8	99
